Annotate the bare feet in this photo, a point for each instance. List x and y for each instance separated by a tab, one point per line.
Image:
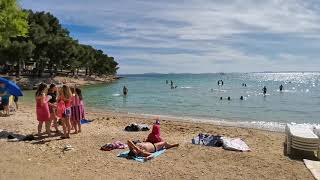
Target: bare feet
171	146
148	158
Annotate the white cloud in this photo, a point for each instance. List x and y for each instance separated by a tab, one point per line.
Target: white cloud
205	34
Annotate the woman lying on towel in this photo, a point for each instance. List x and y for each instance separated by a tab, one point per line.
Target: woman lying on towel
145	149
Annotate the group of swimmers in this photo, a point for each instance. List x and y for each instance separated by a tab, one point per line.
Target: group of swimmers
171	84
264	90
64	105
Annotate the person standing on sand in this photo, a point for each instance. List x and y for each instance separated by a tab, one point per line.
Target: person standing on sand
42	109
65	96
52	91
77	110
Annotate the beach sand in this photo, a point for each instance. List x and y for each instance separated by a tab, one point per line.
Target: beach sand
45	159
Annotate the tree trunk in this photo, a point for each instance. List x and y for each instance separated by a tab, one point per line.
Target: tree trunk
18	72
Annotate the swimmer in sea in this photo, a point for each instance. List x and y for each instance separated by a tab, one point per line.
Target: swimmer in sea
229	98
220	98
264	90
281	87
241	97
125	90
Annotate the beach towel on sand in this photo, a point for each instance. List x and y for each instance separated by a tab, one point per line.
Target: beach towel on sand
207	140
234	144
115	145
140	158
314	167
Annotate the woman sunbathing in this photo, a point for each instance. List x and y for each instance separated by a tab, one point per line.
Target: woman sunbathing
146	149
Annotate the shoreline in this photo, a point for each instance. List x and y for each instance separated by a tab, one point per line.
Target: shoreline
30	83
257	125
188	161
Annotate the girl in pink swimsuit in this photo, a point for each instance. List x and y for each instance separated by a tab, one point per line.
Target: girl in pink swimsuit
42	109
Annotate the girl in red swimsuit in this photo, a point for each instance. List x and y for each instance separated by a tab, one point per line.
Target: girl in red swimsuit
65	96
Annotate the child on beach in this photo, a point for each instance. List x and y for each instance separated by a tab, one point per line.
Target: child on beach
42	109
154	136
4	98
52	91
65	97
77	110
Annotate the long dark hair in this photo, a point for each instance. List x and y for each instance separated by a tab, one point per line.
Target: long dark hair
78	91
51	87
42	87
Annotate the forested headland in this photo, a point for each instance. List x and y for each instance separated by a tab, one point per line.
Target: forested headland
35	44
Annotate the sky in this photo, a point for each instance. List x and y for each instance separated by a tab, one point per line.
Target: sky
195	36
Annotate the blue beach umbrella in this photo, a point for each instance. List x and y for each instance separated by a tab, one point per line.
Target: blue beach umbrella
12	87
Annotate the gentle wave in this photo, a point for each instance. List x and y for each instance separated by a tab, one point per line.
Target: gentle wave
263	125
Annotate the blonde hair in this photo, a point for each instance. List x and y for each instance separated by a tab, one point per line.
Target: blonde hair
66	92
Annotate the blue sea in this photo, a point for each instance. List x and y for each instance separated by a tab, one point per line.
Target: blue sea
197	97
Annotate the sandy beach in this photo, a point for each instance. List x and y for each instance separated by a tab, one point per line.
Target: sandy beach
45	159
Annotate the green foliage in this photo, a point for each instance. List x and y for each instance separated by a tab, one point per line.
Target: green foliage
49	45
13	21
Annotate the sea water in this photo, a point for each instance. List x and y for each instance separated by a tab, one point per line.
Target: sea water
197	97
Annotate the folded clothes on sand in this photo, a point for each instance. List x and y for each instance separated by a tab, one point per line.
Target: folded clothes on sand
207	140
140	158
137	127
234	144
115	145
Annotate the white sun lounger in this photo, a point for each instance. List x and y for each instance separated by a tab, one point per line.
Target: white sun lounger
302	138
